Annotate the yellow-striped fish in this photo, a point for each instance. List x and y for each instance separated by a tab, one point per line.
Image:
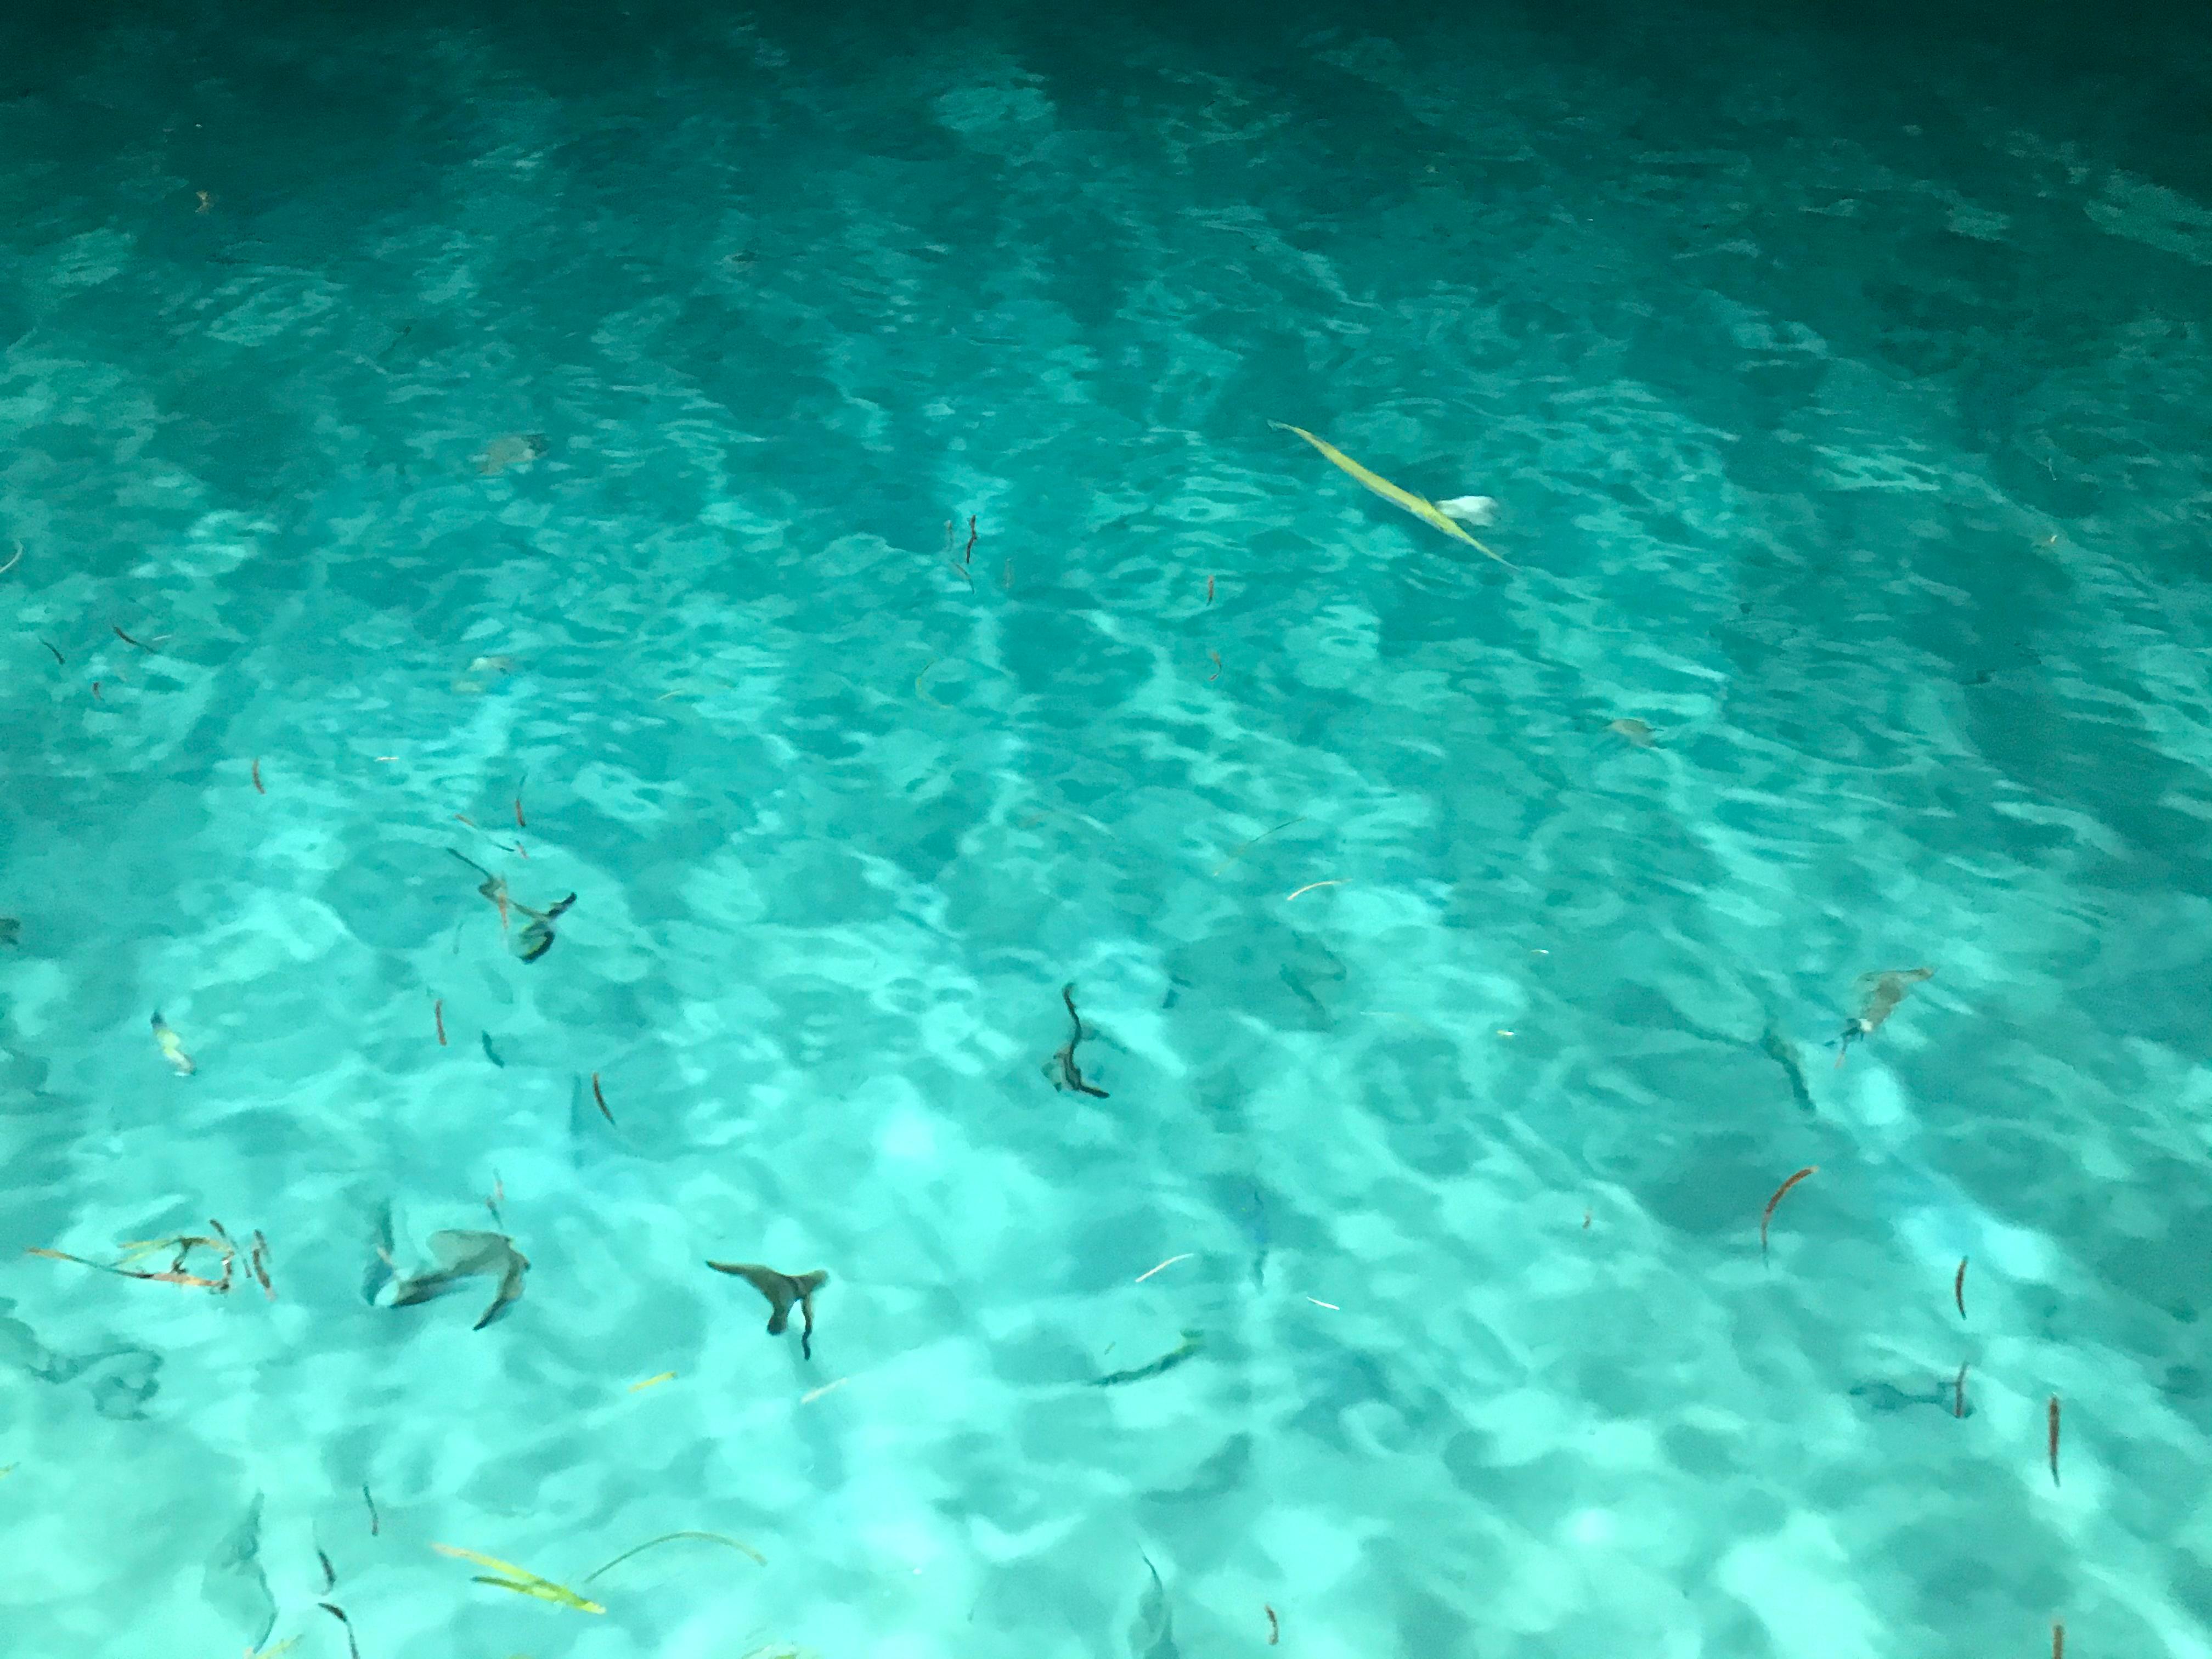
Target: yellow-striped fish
1419	506
521	1580
172	1047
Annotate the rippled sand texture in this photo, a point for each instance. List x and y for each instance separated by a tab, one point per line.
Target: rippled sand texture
555	438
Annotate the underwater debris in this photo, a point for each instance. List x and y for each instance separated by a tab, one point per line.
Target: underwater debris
1170	1262
520	1580
176	1272
172	1047
1419	506
670	1538
1767	1215
1248	846
1884	991
782	1290
653	1382
513	449
1062	1068
1193	1342
463	1255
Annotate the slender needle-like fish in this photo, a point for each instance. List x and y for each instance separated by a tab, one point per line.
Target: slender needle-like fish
782	1290
462	1255
1419	506
1192	1342
172	1047
1062	1068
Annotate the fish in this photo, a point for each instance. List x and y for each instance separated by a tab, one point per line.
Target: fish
513	449
1634	730
1470	509
1151	1634
380	1267
1419	506
782	1290
481	671
464	1255
492	1053
1884	991
171	1046
1192	1342
11	931
1782	1052
535	941
1062	1068
233	1583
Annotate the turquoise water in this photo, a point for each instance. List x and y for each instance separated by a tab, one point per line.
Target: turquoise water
553	436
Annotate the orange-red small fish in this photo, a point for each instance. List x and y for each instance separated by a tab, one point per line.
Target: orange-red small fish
95	692
258	789
1209	590
2057	1639
438	1013
520	823
1216	674
260	1264
1959	1287
2054	1439
1959	1394
600	1100
1810	1169
1274	1625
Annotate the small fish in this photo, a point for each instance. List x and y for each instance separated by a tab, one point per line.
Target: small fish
1477	510
1883	992
481	672
1783	1052
535	941
1192	1342
462	1255
1062	1068
338	1613
514	449
381	1266
492	1053
782	1290
1419	506
172	1047
1634	730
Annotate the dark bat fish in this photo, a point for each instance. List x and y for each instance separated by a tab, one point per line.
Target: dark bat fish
782	1290
1884	991
467	1255
1062	1068
1192	1342
535	941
